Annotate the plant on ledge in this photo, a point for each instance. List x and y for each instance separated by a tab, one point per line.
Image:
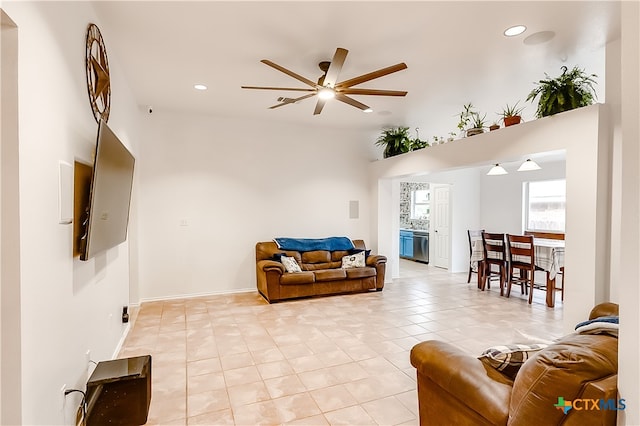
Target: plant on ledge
471	123
572	89
511	114
396	141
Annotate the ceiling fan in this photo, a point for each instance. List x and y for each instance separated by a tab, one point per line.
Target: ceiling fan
327	86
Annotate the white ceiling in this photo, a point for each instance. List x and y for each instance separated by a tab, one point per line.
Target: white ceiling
455	53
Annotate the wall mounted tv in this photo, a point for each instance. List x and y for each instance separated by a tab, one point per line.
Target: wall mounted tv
110	195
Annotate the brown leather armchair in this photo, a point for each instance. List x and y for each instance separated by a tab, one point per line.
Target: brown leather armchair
455	388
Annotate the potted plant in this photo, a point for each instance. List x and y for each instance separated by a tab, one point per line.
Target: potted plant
511	114
418	143
395	141
470	121
465	117
477	124
494	126
572	89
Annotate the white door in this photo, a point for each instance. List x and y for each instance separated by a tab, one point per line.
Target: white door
441	218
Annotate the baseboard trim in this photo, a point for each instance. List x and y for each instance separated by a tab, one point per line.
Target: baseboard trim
125	333
193	296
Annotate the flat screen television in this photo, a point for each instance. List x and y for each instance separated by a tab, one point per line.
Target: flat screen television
110	195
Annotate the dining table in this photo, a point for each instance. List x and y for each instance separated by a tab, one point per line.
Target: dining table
549	257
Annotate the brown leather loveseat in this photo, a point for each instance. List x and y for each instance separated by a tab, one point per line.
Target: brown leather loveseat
455	388
321	274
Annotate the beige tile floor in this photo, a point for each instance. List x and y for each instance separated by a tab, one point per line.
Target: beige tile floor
339	360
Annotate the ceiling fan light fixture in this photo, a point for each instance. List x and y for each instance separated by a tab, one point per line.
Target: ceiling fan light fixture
528	166
497	170
326	93
515	30
368	110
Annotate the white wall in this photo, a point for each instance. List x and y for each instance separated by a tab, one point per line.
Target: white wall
67	306
501	208
581	133
211	188
629	290
10	322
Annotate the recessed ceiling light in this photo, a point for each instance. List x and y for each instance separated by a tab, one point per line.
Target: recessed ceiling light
515	30
200	87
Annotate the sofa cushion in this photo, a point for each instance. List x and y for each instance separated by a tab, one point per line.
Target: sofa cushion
317	256
353	261
320	266
509	358
365	272
290	264
297	278
330	274
336	256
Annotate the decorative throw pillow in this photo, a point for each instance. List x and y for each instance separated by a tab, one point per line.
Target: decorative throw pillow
356	251
278	256
290	264
353	261
509	358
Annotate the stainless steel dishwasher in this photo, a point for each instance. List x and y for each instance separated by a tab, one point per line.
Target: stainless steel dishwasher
421	246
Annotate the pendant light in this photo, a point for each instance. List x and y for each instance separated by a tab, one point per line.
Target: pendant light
528	166
497	170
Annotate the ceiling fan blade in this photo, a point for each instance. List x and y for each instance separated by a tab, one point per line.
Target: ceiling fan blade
288	101
319	106
352	91
370	76
350	101
336	66
290	73
297	89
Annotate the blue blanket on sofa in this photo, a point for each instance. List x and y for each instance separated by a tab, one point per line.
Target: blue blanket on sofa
311	244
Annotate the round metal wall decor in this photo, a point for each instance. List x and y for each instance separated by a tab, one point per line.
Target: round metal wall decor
98	80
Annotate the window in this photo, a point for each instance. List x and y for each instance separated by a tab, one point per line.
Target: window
420	204
545	203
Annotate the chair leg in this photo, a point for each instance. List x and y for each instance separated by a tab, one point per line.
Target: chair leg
509	282
562	292
469	277
503	281
481	275
531	286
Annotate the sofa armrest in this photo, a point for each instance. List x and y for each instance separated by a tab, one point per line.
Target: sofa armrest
271	265
604	310
375	259
480	387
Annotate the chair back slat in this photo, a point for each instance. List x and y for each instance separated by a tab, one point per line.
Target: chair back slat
494	246
522	257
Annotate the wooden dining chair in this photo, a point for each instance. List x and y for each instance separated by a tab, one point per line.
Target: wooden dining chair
495	253
551	236
473	237
522	257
